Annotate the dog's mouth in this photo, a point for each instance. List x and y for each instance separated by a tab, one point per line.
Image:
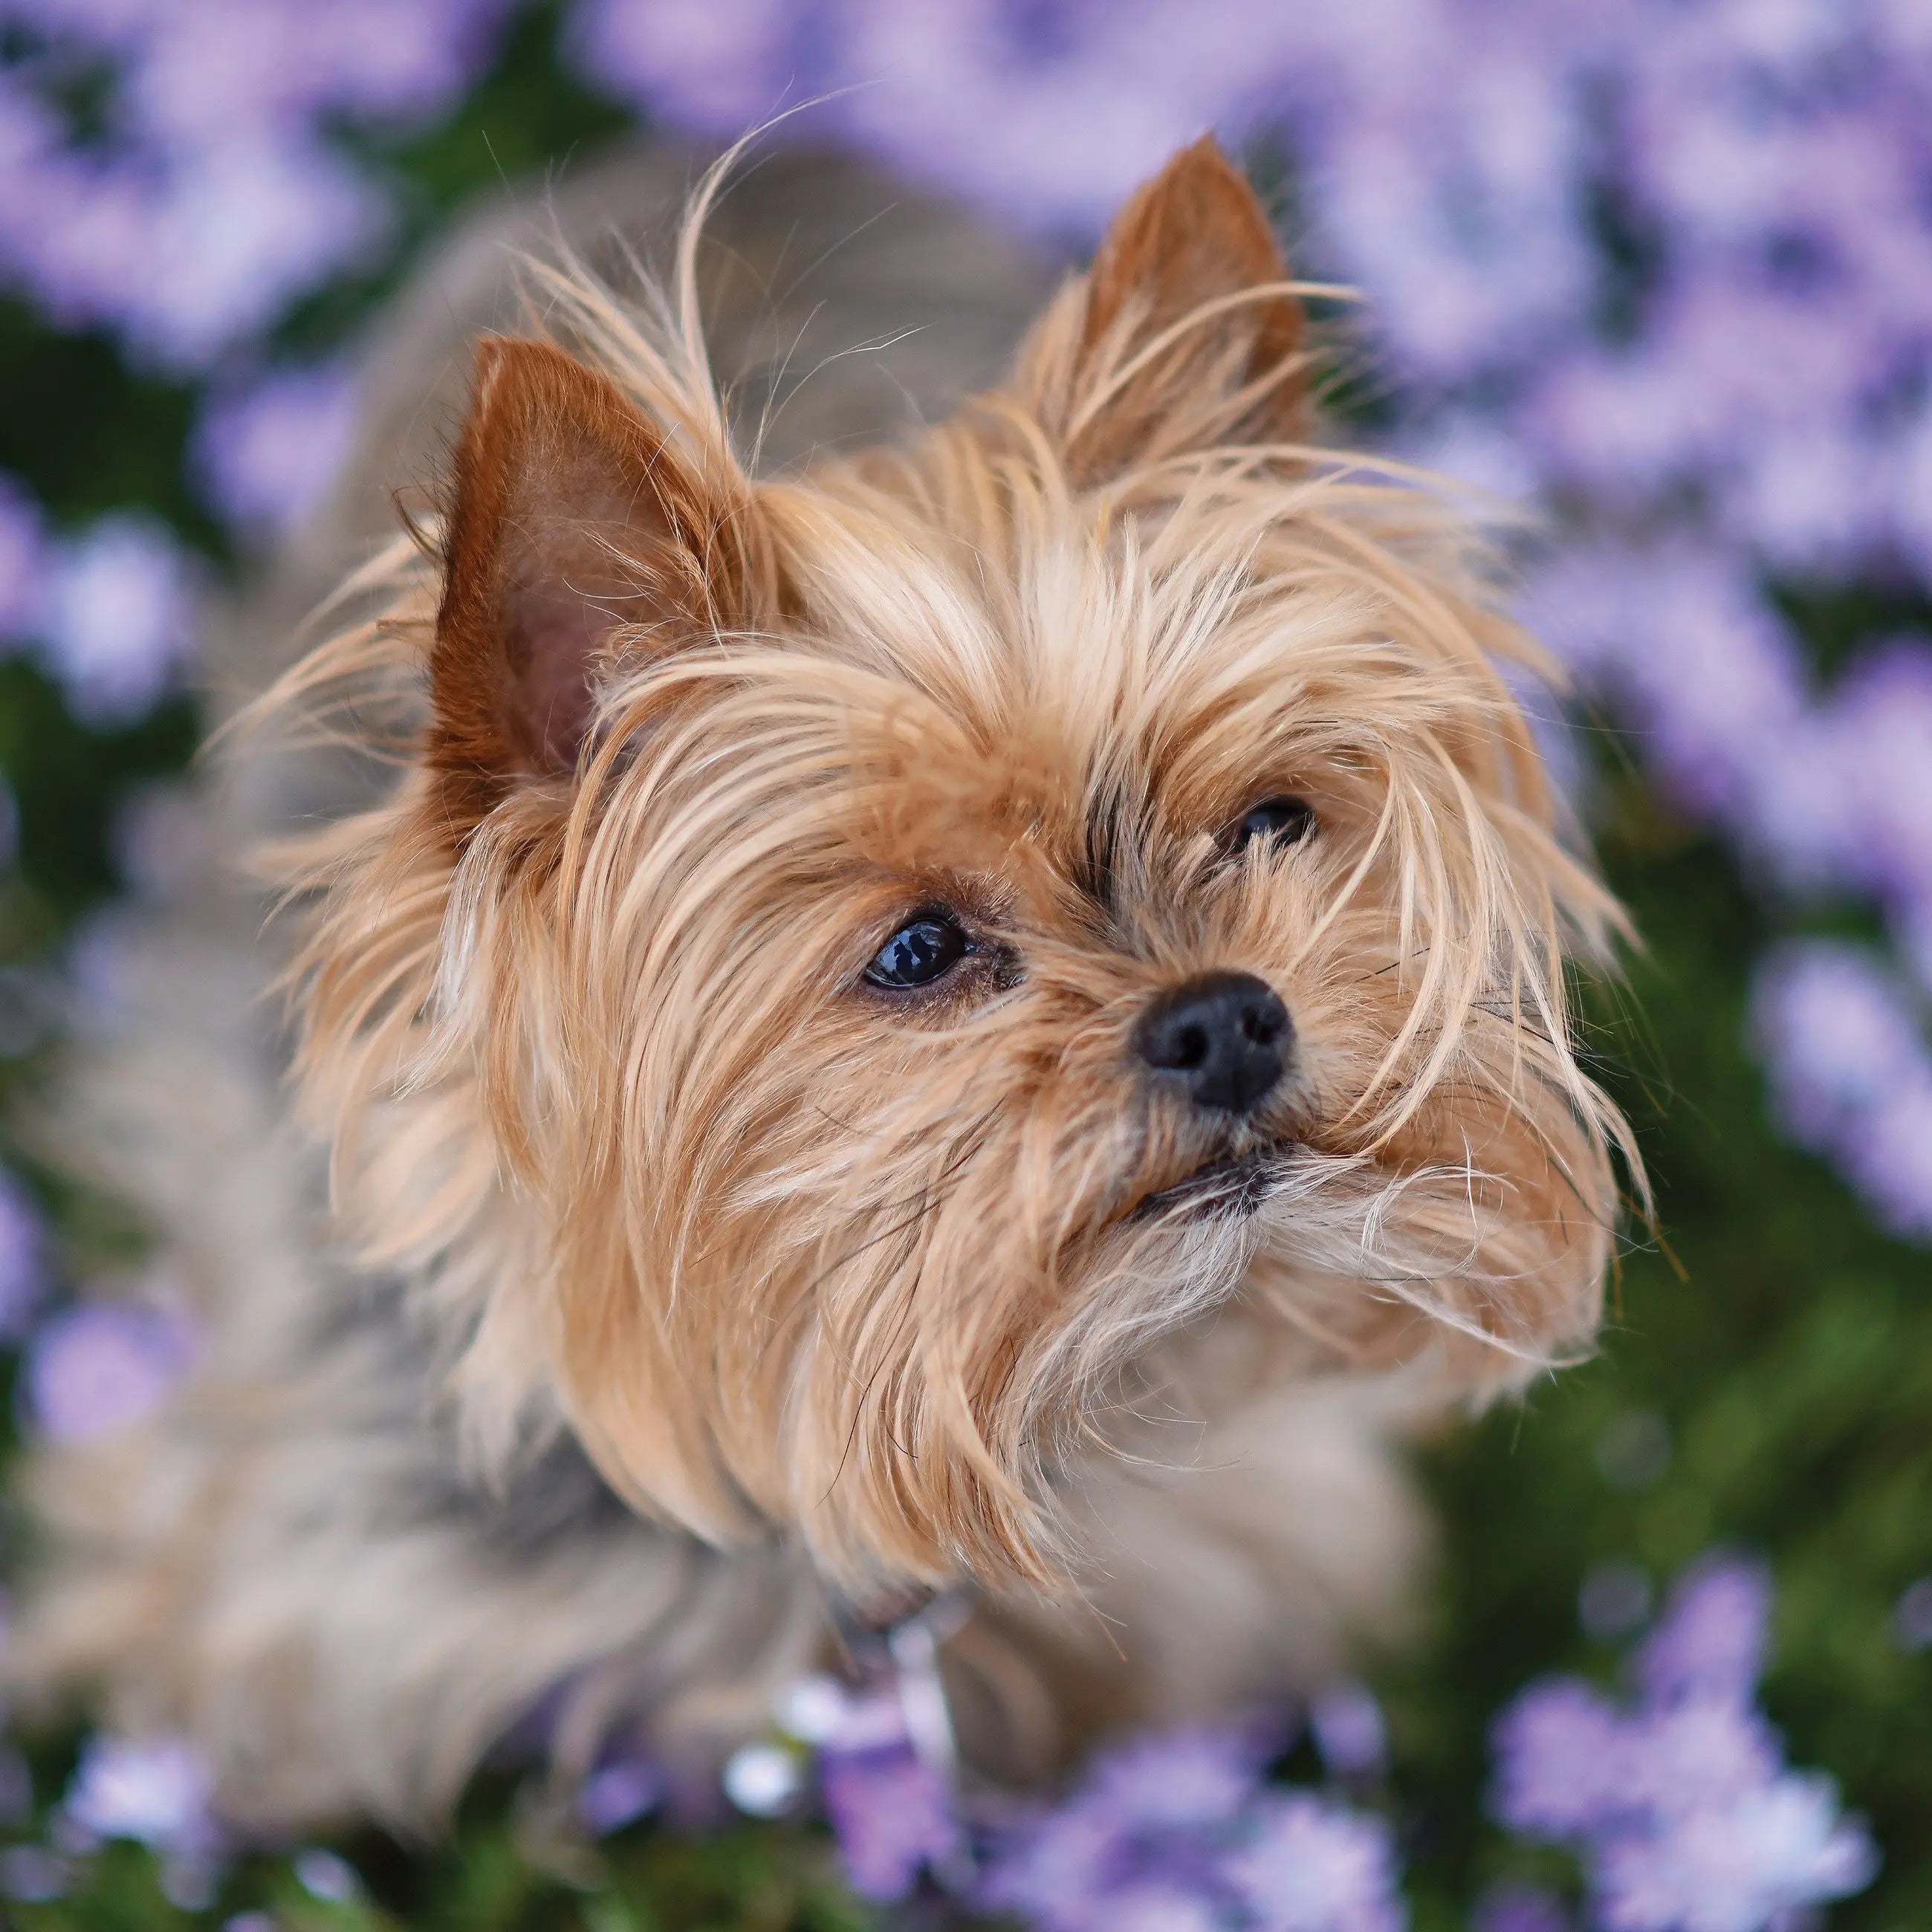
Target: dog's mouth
1229	1185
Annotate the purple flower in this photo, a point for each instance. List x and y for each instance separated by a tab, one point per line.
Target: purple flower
1838	1029
1850	1071
215	201
1678	1758
1182	1825
1310	1865
156	1790
102	1366
1744	1863
1187	1778
1911	1616
722	65
1710	1642
1692	1823
327	1876
237	234
1519	1908
23	560
119	618
893	1818
1349	1730
1159	1905
618	1793
1057	1869
1560	1751
265	456
23	1260
893	1812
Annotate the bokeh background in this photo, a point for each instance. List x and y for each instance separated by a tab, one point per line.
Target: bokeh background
1662	269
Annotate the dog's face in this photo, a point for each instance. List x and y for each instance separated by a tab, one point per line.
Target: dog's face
917	938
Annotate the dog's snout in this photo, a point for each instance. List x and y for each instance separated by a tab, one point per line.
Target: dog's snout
1225	1036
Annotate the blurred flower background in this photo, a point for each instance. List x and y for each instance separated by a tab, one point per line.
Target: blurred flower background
1662	269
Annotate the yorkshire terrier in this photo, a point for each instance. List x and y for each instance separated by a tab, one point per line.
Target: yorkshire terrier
986	1008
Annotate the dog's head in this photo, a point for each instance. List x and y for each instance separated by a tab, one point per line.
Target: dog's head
861	960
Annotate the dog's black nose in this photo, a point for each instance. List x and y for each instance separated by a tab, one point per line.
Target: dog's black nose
1225	1035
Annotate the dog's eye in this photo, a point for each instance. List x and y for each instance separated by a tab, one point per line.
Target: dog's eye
1282	821
926	948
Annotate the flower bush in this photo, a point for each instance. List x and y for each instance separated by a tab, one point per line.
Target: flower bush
1661	267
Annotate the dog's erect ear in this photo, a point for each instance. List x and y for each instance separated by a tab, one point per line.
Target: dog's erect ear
1181	336
573	525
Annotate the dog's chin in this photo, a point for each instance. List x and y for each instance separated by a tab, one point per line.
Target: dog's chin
1228	1187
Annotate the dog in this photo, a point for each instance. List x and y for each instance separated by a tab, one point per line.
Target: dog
984	1005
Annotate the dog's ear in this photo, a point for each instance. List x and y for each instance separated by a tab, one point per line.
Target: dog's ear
1181	336
576	533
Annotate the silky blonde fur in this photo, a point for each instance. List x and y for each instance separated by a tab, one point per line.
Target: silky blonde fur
859	1290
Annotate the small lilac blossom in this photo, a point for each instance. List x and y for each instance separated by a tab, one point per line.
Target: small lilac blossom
1159	1905
119	618
1710	1642
23	1280
720	65
17	1787
1560	1751
1674	1758
1349	1730
1696	1825
1209	1843
1750	1862
892	1812
155	1790
1187	1778
1889	1156
265	456
32	1875
1054	1868
1519	1908
327	1876
1152	1817
101	1367
1840	1026
1911	1616
23	560
241	233
893	1816
618	1793
1850	1072
1311	1865
217	198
